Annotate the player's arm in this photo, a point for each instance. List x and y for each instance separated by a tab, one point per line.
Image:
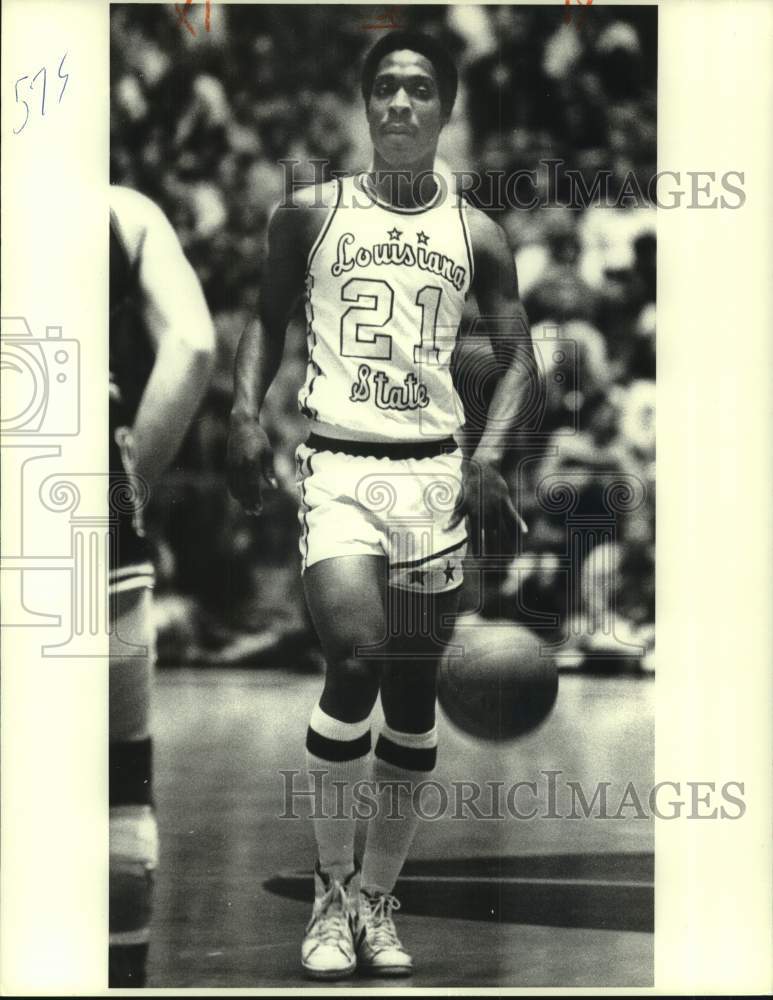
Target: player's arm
503	317
250	457
180	326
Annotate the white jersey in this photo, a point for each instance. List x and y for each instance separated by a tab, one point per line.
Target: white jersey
385	291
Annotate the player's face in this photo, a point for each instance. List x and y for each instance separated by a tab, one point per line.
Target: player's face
404	112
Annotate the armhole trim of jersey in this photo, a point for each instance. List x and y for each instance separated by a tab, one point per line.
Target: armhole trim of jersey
115	225
467	240
133	263
326	225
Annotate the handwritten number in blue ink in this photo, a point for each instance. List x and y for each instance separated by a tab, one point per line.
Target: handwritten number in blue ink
26	106
62	76
43	96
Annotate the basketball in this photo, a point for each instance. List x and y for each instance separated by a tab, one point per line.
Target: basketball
502	686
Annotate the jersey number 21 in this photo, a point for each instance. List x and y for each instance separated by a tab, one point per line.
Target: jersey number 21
372	303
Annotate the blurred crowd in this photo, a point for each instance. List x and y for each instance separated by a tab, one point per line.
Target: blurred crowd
202	121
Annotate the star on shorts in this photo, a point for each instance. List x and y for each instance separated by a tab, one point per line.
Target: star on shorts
449	572
417	576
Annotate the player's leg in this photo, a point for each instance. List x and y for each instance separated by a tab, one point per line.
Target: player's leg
346	600
133	831
405	755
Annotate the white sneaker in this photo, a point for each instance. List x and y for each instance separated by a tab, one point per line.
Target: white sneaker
327	951
379	951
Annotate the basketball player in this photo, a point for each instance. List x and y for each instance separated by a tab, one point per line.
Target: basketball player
161	351
387	260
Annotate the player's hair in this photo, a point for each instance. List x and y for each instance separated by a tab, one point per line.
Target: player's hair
430	48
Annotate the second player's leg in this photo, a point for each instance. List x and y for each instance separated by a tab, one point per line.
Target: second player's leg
133	830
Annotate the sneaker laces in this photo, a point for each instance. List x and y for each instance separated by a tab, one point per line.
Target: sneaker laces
330	915
381	928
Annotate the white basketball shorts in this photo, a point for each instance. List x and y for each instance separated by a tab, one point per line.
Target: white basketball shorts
397	508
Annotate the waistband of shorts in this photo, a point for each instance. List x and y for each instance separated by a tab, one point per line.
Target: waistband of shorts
383	449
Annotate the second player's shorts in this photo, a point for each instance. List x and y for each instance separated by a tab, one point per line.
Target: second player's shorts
358	504
131	567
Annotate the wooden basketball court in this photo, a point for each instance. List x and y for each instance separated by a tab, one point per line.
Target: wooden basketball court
486	901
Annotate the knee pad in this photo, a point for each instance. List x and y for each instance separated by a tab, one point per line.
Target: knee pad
133	861
133	829
133	841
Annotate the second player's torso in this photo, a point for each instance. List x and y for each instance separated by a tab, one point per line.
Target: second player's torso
385	292
131	361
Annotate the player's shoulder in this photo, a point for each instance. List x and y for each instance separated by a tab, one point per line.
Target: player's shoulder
487	236
135	214
299	217
493	258
133	208
310	200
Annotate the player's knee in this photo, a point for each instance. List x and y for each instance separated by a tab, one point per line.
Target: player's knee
352	669
133	861
133	840
351	687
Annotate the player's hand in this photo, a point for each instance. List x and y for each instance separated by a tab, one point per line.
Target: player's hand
485	497
250	463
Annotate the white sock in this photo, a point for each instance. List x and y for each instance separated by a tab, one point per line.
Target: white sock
405	758
341	750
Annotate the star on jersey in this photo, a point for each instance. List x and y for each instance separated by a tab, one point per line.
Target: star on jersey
449	572
395	234
423	238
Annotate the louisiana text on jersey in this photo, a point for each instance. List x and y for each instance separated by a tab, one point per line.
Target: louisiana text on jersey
385	292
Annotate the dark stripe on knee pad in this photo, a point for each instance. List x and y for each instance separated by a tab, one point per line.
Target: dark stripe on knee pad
337	750
131	773
410	758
